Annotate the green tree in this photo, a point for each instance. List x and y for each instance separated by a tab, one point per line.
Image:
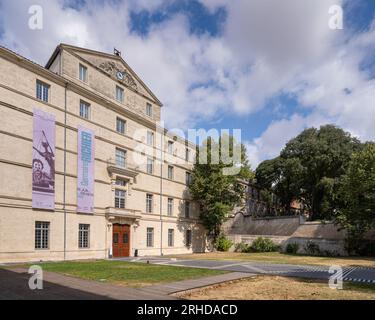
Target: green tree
216	192
308	169
356	197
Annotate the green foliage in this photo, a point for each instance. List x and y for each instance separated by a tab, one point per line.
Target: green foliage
312	248
222	243
292	248
261	244
308	169
217	192
356	198
242	247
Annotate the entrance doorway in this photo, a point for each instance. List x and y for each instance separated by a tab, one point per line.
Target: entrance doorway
121	240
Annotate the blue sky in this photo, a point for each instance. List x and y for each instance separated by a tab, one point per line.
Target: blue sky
269	68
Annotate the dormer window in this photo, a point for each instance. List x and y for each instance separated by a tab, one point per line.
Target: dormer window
149	110
82	73
119	94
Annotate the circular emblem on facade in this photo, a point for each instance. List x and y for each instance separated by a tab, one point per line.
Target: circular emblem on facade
120	75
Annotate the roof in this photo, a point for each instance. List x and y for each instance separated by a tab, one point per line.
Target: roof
68	47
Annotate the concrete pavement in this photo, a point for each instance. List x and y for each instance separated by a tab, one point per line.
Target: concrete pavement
352	274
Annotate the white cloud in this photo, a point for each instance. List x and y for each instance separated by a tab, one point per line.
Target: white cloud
266	48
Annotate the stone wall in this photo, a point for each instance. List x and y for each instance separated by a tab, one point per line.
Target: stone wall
285	230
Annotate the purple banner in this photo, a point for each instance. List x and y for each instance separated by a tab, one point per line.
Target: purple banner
43	165
85	185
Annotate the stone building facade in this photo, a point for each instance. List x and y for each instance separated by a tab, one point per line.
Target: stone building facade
141	203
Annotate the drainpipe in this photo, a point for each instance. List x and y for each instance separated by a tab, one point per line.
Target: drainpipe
64	191
161	192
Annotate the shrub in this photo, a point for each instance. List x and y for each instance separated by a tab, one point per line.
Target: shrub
312	248
292	248
263	245
223	244
242	247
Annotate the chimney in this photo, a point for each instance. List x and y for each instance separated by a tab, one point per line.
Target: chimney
117	52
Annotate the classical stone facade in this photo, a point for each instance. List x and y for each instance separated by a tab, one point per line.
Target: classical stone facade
141	204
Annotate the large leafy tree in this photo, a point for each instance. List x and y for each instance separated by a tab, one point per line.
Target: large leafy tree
308	169
213	186
356	196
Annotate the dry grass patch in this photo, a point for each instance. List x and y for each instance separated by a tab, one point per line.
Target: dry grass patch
280	288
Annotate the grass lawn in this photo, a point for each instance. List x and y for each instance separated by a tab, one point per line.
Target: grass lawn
277	257
280	288
126	273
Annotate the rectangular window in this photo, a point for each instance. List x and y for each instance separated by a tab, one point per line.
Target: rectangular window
120	183
170	147
150	237
149	202
120	126
120	158
150	138
119	94
84	110
170	237
82	73
188	239
170	172
42	235
149	109
170	207
187	154
150	165
120	196
188	178
42	91
84	236
187	209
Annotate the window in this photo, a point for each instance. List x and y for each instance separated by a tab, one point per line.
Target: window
82	73
150	166
170	237
120	183
170	172
119	94
188	238
188	178
120	158
149	109
84	110
120	126
170	147
187	154
149	202
41	235
187	209
150	237
120	196
125	238
170	206
84	236
42	91
115	238
150	138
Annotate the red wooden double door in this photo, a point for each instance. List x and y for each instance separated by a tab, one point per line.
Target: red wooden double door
121	240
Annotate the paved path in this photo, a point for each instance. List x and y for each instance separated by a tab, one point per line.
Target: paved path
14	286
353	274
185	285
